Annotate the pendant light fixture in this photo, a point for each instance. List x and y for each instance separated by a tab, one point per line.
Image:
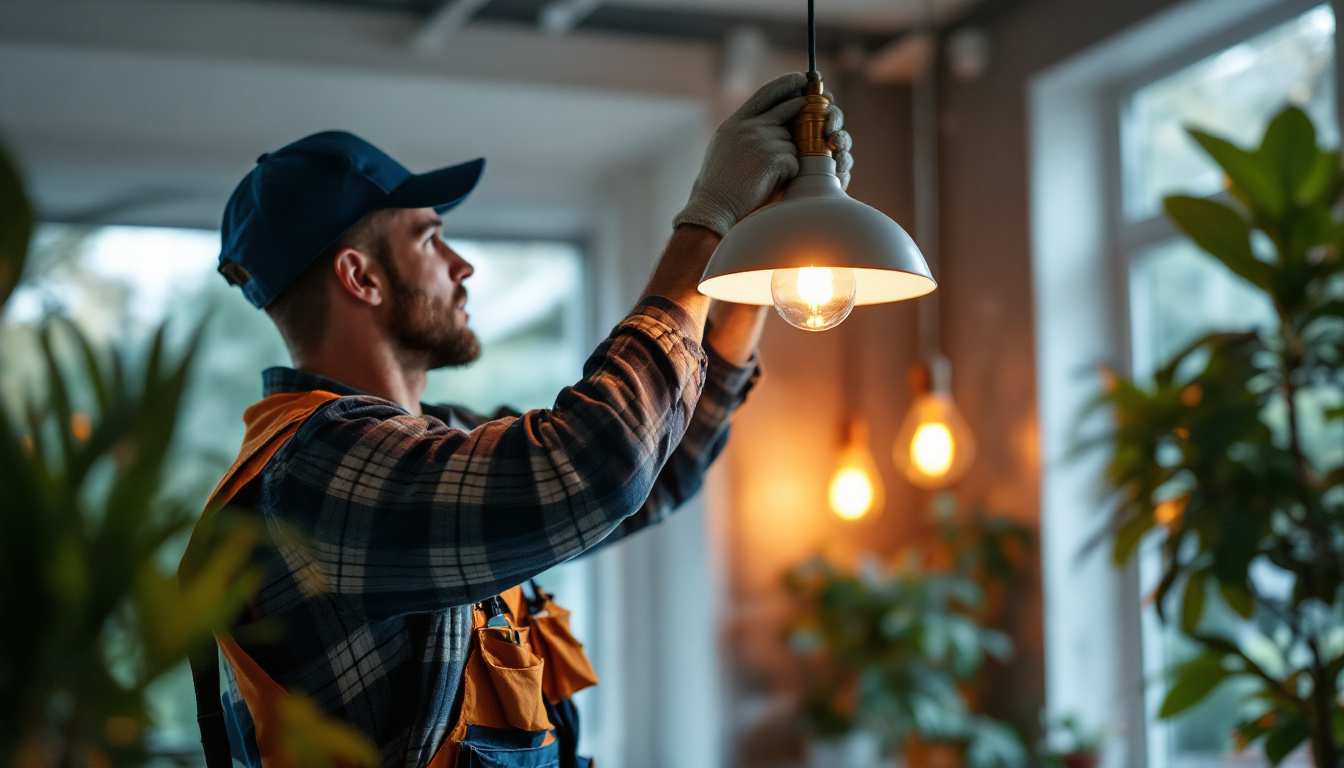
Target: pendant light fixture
934	446
855	492
817	253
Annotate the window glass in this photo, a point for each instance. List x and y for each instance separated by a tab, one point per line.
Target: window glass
1180	293
118	283
1233	93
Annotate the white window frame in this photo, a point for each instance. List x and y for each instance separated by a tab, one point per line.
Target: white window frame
1095	658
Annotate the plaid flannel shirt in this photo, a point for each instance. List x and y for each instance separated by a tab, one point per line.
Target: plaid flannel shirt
405	521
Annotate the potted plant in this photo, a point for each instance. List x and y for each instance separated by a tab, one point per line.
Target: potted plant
1228	457
1068	744
891	656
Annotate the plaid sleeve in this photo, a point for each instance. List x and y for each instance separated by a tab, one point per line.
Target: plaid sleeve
399	515
726	387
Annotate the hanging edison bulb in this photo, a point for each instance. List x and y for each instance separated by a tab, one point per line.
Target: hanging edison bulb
934	446
856	489
813	298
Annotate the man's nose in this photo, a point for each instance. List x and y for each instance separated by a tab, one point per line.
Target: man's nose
459	269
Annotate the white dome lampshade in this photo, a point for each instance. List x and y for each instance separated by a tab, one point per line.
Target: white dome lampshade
817	225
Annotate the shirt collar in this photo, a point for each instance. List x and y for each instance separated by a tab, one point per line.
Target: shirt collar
280	380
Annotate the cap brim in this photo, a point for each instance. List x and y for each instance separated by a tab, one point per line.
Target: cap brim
441	190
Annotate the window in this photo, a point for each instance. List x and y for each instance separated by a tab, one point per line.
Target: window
1177	293
119	283
1233	93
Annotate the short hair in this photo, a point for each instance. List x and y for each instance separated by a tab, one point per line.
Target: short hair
301	310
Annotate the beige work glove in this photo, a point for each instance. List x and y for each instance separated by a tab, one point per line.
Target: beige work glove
752	156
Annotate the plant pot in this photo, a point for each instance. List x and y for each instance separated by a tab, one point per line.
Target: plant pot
1080	760
931	754
858	749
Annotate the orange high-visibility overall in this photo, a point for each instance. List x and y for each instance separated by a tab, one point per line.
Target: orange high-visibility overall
525	661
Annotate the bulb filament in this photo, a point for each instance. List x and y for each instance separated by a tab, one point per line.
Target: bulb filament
816	287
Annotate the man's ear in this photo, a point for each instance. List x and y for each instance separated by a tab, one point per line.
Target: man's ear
360	276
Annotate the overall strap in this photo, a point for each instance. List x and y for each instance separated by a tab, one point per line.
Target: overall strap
205	673
270	424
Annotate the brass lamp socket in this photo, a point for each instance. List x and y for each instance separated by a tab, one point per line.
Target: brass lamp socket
809	128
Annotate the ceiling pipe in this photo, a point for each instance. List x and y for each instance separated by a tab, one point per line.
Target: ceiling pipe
443	23
562	16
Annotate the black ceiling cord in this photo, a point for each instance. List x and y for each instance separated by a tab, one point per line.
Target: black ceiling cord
811	39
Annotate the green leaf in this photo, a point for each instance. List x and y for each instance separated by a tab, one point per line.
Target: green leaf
16	227
1251	181
1250	730
1195	680
1321	184
1222	232
1289	149
310	739
1129	535
1238	598
1192	603
1284	739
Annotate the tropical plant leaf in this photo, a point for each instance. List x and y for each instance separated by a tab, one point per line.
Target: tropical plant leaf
1238	598
1321	183
1195	680
1253	183
1284	738
312	740
1288	150
1192	603
16	227
1129	535
1222	232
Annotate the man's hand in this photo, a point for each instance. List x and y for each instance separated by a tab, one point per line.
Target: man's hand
752	156
840	142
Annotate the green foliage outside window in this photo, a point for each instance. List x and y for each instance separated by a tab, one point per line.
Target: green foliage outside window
1210	461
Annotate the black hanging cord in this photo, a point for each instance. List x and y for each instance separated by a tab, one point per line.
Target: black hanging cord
811	37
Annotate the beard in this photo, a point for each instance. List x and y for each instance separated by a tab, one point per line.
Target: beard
426	327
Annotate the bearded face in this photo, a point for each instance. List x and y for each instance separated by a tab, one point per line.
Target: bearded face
427	326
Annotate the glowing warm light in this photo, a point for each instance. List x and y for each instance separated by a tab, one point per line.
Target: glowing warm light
816	285
934	446
813	298
856	487
851	493
933	449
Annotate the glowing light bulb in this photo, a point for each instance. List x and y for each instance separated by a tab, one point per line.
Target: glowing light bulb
934	446
851	493
856	488
813	298
932	449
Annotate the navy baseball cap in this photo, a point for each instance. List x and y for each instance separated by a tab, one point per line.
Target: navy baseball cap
300	199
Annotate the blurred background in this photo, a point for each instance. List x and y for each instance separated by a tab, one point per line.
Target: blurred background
1026	144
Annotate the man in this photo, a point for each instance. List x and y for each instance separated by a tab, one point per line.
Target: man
407	514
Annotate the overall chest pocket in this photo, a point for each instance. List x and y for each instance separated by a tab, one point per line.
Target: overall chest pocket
486	747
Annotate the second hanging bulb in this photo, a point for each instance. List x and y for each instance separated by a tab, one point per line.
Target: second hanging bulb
856	490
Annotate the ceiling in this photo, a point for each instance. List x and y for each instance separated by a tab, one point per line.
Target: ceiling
156	107
866	22
149	111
